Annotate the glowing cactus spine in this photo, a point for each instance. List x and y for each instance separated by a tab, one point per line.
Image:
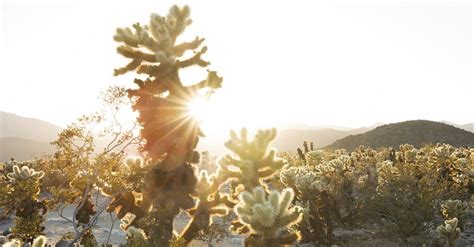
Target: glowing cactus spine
268	217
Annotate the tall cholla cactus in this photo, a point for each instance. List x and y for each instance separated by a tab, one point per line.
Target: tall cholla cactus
24	191
268	216
170	132
253	160
162	98
450	231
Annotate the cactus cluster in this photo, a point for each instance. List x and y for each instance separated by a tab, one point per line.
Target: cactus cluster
396	189
317	192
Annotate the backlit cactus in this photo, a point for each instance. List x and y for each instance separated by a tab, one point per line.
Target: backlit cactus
455	209
169	131
268	216
253	161
39	241
450	231
24	184
24	173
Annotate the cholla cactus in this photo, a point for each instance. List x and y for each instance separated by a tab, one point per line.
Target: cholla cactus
210	202
154	52
455	209
450	231
268	216
24	173
306	181
162	99
23	198
39	241
254	162
136	237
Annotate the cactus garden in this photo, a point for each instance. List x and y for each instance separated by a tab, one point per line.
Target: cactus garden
170	193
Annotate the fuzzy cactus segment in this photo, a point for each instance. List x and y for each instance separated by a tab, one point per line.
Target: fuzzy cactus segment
24	173
39	241
136	237
450	231
253	162
268	216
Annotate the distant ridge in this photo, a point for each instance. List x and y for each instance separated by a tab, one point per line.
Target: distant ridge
12	125
22	149
416	132
290	140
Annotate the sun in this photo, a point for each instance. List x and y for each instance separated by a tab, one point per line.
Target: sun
199	108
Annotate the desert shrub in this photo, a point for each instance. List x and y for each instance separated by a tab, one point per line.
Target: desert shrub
405	199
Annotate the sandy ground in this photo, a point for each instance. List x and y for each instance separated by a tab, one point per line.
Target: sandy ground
108	224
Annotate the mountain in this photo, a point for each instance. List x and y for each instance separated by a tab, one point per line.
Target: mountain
12	125
362	130
416	132
22	149
25	138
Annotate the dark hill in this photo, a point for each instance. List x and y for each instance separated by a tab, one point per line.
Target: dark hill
416	132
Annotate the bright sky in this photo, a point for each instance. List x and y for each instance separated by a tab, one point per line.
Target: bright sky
313	62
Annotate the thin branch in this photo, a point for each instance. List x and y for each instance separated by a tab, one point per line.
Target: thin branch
111	227
92	222
60	211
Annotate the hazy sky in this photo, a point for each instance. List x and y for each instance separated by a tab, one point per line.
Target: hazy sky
325	63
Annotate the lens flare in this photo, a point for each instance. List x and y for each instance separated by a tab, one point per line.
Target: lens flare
199	108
